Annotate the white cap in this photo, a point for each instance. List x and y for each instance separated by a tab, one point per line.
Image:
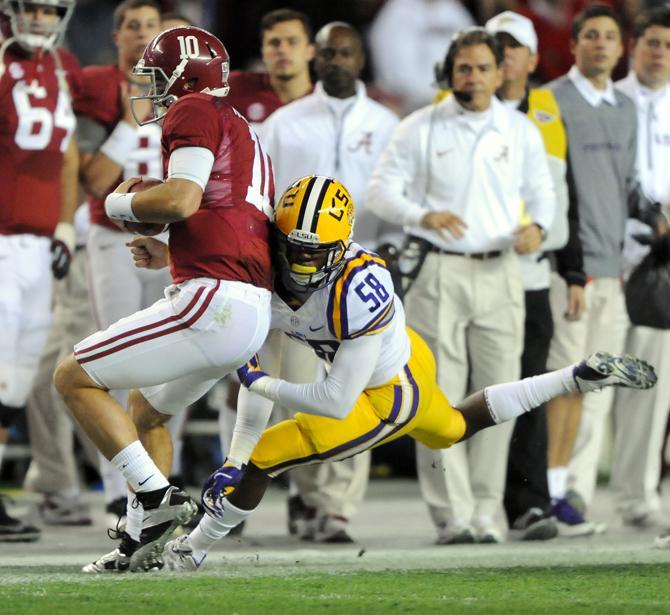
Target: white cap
517	26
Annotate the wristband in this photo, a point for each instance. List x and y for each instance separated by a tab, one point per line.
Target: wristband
118	206
65	232
120	143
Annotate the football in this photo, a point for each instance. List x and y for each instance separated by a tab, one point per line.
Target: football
145	228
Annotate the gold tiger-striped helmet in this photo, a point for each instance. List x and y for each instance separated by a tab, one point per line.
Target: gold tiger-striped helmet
314	222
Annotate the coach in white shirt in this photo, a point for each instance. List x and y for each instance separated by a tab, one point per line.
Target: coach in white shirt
339	132
455	174
639	436
336	131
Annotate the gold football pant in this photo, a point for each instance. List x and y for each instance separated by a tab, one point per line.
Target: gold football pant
410	403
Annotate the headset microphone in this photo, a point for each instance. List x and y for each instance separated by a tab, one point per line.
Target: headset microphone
462	96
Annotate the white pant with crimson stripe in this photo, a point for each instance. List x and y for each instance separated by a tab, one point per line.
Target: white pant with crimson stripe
202	327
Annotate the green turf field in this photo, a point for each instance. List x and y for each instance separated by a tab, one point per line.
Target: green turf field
642	588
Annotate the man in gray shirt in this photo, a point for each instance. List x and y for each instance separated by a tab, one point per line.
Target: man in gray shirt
601	127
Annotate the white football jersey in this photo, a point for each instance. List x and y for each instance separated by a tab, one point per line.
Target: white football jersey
361	301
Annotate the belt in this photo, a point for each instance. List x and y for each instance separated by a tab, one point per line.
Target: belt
480	256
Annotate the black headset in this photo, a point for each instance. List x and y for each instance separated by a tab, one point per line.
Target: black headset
444	70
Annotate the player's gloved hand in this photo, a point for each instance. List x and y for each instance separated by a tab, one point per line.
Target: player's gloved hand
62	248
219	485
250	373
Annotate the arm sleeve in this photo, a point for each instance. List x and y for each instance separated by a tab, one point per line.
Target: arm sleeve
253	411
193	122
570	258
335	396
397	169
538	188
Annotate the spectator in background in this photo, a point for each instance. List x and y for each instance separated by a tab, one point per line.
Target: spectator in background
406	39
38	167
286	49
640	435
527	500
455	174
589	312
352	132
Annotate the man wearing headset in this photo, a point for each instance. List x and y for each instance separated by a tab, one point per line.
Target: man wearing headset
455	174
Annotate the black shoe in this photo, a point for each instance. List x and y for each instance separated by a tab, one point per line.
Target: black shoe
15	530
296	511
164	511
117	507
535	524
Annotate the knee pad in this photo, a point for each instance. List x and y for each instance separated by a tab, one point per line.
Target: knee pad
8	415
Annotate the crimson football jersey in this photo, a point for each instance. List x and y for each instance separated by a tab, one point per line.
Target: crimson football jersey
98	99
252	95
36	124
228	237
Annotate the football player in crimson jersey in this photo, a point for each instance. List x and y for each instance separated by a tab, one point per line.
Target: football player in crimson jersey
286	50
38	175
217	197
113	148
338	298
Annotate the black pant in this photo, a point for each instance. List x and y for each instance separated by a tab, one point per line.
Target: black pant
527	464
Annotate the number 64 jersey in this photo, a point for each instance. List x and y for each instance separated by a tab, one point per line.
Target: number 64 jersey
361	301
36	123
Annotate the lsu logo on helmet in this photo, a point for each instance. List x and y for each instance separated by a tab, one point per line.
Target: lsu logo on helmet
314	222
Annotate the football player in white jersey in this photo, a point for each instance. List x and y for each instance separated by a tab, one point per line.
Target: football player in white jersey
338	298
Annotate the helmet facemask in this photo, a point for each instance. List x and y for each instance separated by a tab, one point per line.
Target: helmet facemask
158	92
32	34
305	264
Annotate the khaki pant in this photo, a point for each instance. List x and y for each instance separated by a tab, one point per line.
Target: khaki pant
640	418
470	312
53	466
602	327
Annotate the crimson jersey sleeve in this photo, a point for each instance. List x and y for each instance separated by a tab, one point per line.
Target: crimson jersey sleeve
97	94
192	121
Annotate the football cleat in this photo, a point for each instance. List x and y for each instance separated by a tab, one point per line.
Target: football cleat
602	369
178	556
174	509
117	560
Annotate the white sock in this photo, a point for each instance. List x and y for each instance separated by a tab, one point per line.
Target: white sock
512	399
557	479
139	470
3	448
210	530
134	515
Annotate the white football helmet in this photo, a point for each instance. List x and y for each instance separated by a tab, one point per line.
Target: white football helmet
34	34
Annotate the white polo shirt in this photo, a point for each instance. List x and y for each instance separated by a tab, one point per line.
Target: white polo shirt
653	136
340	138
480	166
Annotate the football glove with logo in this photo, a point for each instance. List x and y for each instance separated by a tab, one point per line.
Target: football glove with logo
251	372
219	485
